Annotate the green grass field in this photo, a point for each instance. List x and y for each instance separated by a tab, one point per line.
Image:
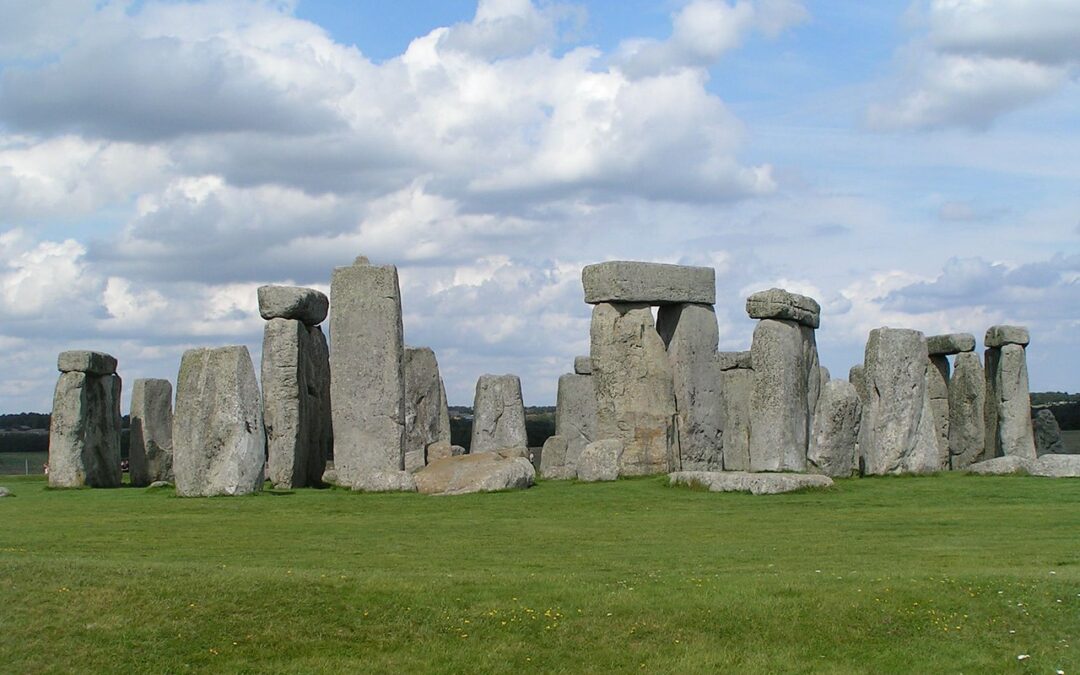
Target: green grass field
951	573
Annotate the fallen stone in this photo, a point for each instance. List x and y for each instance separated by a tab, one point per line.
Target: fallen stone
82	361
575	420
553	462
367	384
84	432
967	402
1056	466
836	430
293	302
999	336
786	386
150	449
776	303
952	343
582	365
498	414
159	484
219	445
385	481
737	385
937	383
632	378
733	360
754	483
506	469
600	460
650	283
1047	434
423	400
1001	466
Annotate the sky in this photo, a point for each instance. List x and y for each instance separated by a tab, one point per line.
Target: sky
907	164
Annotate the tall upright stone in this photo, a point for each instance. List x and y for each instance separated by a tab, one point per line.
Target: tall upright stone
367	383
897	433
836	429
737	385
575	418
150	450
635	399
84	431
219	444
937	383
967	403
1048	434
423	400
498	415
444	414
1008	406
691	335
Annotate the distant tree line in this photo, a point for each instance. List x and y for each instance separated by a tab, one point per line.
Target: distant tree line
1046	397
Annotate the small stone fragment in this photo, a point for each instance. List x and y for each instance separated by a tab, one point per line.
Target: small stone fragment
293	302
582	365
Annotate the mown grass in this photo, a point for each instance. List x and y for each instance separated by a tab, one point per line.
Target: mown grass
941	574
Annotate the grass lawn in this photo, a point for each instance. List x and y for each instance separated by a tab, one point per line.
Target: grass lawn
941	574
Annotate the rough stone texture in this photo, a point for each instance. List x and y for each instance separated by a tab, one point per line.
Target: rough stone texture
737	385
991	364
575	418
952	343
786	387
651	283
293	302
506	469
330	476
415	460
600	460
825	376
444	414
635	400
836	429
754	483
937	383
384	481
296	403
441	450
897	434
733	360
219	445
4	492
1014	431
553	462
151	448
999	336
1047	466
84	433
367	384
1047	434
691	335
776	303
83	361
423	400
1000	466
582	365
498	414
857	378
967	402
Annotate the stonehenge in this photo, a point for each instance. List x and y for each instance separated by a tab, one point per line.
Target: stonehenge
736	386
1047	434
967	401
151	448
427	419
834	436
1008	402
498	415
575	422
84	433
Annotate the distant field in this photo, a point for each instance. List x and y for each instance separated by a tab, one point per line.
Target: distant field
1071	440
18	463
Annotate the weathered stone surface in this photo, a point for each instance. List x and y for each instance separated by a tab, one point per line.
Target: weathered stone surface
1047	466
635	400
151	448
219	445
754	483
1047	434
415	460
384	481
443	449
1000	466
160	484
857	378
83	361
733	360
836	429
293	302
296	402
506	469
737	385
991	363
4	492
498	414
84	433
897	433
330	476
776	303
937	384
651	283
553	462
691	335
444	414
423	400
575	418
786	387
967	402
582	365
999	336
825	376
600	460
1014	431
949	344
367	385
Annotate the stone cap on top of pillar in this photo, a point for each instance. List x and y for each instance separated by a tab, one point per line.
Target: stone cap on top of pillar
85	361
293	302
621	281
998	336
776	303
952	343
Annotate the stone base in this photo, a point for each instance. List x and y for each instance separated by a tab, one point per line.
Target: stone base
754	483
1047	466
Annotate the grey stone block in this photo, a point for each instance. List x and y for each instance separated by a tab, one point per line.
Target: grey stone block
999	336
967	403
582	365
952	343
733	360
1047	434
423	400
836	430
498	414
787	382
293	302
600	460
83	361
151	448
650	283
776	303
754	483
575	419
84	431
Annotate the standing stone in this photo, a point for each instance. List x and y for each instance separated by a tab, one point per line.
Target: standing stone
1048	434
84	432
367	384
937	382
635	401
737	385
691	335
575	419
553	462
967	401
1015	435
897	434
423	401
786	387
857	378
219	445
991	363
296	402
836	429
444	414
151	449
601	460
498	414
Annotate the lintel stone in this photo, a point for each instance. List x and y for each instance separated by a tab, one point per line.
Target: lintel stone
998	336
776	303
952	343
83	361
644	282
293	302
